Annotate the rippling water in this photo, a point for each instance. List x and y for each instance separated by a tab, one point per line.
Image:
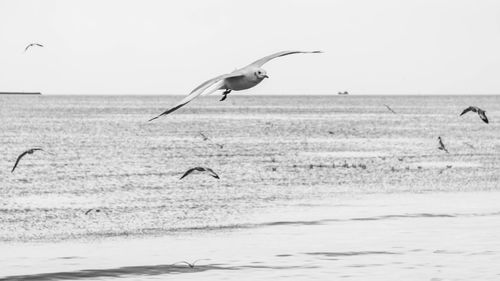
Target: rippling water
316	168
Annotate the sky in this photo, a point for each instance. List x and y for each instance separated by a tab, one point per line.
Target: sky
156	47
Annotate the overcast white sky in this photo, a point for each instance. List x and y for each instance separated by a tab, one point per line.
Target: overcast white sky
169	47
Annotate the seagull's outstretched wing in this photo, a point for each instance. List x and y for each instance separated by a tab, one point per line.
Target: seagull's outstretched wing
482	115
390	109
212	173
24	154
18	159
467	110
205	88
262	61
188	172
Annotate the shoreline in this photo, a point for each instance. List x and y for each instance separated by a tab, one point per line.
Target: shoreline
394	229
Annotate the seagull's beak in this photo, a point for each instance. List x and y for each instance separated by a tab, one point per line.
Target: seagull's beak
265	76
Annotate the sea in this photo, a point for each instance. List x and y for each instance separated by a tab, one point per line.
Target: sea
311	188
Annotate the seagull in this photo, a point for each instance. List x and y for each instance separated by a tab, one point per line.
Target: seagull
479	111
32	45
90	210
240	79
390	108
469	145
29	151
441	145
205	138
191	265
200	169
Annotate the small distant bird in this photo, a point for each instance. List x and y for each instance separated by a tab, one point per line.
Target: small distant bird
29	151
201	170
441	145
90	210
240	79
390	108
32	45
205	138
479	111
469	145
191	265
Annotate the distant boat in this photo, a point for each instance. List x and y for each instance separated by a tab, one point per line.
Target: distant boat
343	93
20	93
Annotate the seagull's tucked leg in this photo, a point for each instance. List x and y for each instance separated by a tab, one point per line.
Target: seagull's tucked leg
224	95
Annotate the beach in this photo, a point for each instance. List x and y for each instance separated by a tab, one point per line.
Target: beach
437	236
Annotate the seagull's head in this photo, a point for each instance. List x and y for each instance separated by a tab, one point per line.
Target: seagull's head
261	73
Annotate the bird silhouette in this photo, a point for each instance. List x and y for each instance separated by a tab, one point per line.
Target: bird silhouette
479	111
92	209
390	108
205	138
201	170
32	45
190	264
441	145
29	151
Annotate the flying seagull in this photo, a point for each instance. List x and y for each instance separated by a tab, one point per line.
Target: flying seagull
92	209
205	138
390	108
191	265
29	151
240	79
479	111
469	145
441	145
200	169
32	45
